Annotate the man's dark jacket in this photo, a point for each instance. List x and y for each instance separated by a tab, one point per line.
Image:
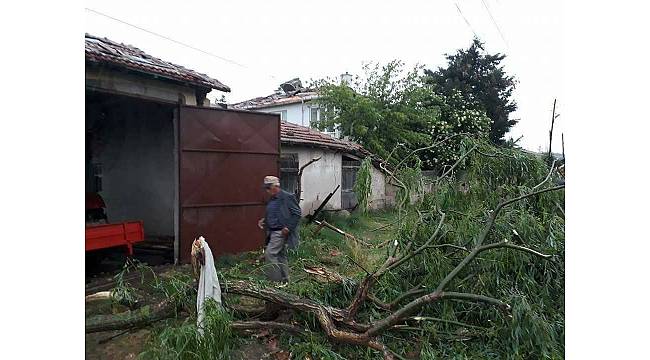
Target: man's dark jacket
289	217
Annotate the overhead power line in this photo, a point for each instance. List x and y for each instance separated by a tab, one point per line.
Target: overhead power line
494	22
464	18
173	40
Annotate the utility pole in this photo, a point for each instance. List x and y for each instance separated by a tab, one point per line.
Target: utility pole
562	146
550	133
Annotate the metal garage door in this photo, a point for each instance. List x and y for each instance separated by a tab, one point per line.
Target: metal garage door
224	156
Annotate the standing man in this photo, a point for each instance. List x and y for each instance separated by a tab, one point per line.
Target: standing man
281	225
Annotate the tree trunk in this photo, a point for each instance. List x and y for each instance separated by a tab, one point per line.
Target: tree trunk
131	319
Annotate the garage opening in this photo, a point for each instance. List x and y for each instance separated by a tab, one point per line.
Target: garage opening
131	166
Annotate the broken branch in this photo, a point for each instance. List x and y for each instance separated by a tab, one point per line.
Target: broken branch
312	217
402	259
299	180
256	325
424	318
428	147
131	319
324	223
507	244
456	163
560	208
390	263
548	176
475	298
102	295
457	247
389	306
438	294
550	133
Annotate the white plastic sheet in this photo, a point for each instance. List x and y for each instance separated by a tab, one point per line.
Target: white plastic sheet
208	283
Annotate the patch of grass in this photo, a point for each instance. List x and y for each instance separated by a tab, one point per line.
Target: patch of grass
339	253
184	342
176	285
316	348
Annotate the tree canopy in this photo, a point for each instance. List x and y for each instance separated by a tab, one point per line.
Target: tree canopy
383	112
392	112
483	84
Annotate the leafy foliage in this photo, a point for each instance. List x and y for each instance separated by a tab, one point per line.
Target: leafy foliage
482	83
457	116
412	184
382	112
534	287
177	286
363	184
123	292
392	112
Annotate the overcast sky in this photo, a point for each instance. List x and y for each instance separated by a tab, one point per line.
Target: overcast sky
271	42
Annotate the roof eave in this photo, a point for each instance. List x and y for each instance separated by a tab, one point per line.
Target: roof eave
319	145
193	84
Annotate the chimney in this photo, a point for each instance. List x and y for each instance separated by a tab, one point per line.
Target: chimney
346	79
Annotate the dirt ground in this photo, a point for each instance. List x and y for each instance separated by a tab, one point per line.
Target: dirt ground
130	345
126	346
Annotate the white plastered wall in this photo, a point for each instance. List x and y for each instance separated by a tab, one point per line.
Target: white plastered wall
321	177
378	196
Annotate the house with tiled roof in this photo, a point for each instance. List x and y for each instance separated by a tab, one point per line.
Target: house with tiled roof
337	166
294	103
339	159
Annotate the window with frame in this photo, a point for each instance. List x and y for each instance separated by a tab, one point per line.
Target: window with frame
314	114
289	172
283	115
330	130
317	115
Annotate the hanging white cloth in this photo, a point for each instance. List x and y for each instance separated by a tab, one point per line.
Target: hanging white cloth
208	283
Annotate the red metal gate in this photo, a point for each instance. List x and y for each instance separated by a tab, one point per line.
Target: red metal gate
224	156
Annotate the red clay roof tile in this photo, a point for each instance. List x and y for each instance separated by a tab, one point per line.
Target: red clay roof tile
105	51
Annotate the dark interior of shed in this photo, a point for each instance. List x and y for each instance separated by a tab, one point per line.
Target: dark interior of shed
130	164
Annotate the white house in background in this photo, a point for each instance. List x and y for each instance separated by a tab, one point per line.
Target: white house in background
294	103
338	165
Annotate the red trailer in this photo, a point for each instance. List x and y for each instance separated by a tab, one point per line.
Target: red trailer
111	235
100	235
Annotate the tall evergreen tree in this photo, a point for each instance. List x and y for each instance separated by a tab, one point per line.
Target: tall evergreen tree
482	82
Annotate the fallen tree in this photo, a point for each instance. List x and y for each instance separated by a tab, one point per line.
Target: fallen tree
434	270
354	333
